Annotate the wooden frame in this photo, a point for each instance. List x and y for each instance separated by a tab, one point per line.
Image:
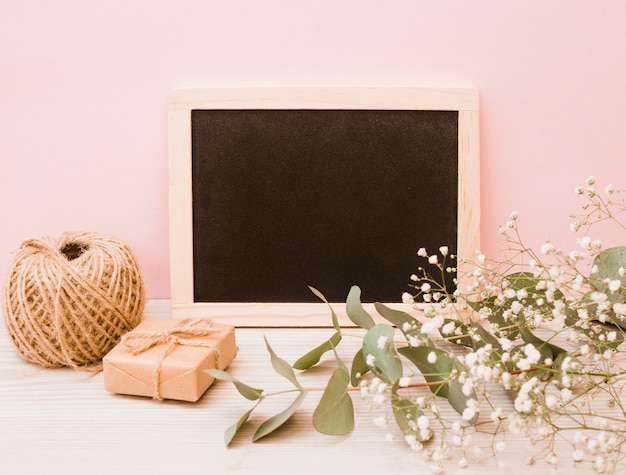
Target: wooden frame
183	101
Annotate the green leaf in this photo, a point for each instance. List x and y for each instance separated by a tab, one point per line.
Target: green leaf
334	414
608	263
378	342
282	367
320	296
279	419
592	328
522	281
313	356
246	391
359	368
400	319
445	370
230	433
355	311
406	414
473	336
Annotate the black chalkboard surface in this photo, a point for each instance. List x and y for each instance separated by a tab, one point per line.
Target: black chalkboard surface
283	199
273	190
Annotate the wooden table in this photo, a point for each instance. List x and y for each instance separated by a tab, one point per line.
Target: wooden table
59	421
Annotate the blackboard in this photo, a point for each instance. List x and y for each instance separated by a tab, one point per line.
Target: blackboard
278	197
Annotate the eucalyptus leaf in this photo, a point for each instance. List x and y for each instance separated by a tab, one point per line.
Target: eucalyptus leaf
592	328
406	413
608	263
334	415
407	324
312	357
246	391
279	419
282	367
444	370
355	310
472	335
359	368
320	296
230	433
378	342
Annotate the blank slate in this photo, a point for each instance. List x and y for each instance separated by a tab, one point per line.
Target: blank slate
276	190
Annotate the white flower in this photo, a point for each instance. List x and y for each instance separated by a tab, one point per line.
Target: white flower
448	328
609	190
481	258
370	360
619	308
584	242
578	455
500	446
468	413
422	252
425	287
404	382
443	250
407	298
615	285
552	459
514	215
423	422
591	180
414	277
382	342
433	259
547	247
432	357
551	401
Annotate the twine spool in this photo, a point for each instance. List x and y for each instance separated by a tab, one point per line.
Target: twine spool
69	300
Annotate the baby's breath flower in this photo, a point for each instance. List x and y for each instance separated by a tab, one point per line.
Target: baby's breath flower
547	247
382	342
422	252
443	250
433	259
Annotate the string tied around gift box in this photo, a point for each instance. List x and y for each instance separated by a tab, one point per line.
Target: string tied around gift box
189	332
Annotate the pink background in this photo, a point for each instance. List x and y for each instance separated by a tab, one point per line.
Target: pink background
83	102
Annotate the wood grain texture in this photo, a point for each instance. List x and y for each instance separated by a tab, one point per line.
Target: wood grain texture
63	422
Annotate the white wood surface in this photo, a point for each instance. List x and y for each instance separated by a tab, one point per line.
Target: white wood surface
59	421
183	101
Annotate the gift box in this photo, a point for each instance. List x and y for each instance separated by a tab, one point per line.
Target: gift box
167	358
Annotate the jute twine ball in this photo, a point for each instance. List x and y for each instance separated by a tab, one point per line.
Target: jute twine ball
68	300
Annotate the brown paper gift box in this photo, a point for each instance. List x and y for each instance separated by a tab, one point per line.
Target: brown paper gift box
166	358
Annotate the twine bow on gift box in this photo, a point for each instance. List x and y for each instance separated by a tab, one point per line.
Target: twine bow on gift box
189	332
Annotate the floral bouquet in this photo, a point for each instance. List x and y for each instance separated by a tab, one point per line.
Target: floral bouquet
544	327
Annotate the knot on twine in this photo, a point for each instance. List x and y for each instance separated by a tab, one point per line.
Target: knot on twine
68	300
189	332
